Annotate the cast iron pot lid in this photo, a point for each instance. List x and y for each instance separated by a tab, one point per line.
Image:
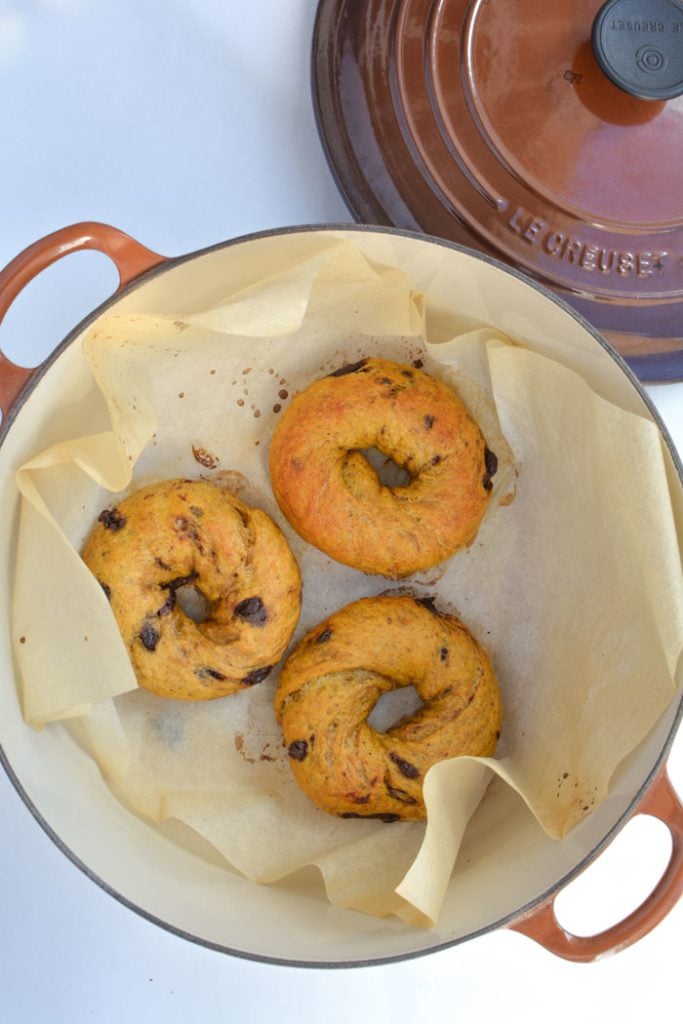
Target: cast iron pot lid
549	135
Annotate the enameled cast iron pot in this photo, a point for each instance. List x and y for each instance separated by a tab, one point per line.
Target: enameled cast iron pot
514	872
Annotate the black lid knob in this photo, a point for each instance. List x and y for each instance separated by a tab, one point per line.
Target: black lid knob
639	46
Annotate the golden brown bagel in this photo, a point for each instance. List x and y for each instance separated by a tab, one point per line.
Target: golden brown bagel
334	677
182	532
333	497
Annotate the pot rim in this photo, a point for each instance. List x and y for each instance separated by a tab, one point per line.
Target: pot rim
527	908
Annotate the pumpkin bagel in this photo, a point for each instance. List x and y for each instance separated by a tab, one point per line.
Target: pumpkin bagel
333	497
178	533
333	679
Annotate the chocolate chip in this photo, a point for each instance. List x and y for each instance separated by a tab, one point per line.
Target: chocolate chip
428	603
436	459
399	794
112	519
196	511
362	799
393	388
444	653
497	734
418	364
209	673
323	637
283	393
405	768
106	588
179	581
428	421
257	676
407	373
386	818
251	610
349	368
185	526
149	636
491	463
298	750
168	605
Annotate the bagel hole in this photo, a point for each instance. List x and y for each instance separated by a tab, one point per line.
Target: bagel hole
389	472
393	707
192	602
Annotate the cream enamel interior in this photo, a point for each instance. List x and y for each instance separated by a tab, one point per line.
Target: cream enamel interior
507	861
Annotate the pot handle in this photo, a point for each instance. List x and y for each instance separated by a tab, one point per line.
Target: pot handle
541	924
131	259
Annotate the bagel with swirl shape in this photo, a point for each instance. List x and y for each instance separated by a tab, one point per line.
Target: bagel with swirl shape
332	680
333	497
178	533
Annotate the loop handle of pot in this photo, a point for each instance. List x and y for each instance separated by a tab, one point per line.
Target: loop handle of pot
130	257
661	801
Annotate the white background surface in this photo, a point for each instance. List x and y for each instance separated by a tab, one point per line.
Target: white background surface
186	124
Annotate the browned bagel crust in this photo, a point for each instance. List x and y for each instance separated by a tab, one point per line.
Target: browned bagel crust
180	532
332	680
333	497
